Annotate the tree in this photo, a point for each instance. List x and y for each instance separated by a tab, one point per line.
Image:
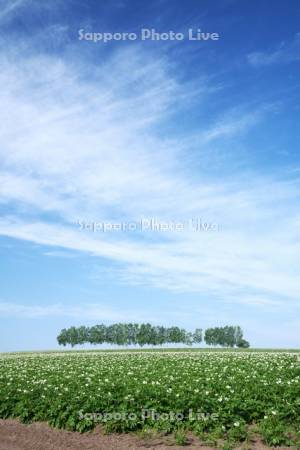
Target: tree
228	336
174	335
120	334
73	336
208	336
147	334
161	335
63	338
132	332
213	336
82	335
243	344
144	334
238	335
188	338
197	336
97	334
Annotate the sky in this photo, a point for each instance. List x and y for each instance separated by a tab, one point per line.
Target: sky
149	180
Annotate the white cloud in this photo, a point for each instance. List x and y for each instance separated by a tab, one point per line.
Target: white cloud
232	124
8	8
86	141
89	311
285	53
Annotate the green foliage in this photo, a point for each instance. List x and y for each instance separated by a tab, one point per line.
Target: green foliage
180	437
226	391
228	336
275	432
242	343
197	336
147	334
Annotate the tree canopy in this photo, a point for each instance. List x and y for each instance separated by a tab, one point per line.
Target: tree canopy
147	334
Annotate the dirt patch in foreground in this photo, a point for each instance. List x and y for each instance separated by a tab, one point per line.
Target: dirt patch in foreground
39	436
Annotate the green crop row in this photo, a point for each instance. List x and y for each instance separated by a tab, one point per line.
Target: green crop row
219	394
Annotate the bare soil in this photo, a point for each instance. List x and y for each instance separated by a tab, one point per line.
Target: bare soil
39	436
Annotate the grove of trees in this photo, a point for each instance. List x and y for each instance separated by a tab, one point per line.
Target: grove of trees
147	334
229	336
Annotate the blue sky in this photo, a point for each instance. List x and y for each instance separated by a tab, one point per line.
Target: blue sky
172	131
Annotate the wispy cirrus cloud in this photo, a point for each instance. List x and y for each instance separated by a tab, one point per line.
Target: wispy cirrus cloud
286	52
88	141
235	122
9	8
85	312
